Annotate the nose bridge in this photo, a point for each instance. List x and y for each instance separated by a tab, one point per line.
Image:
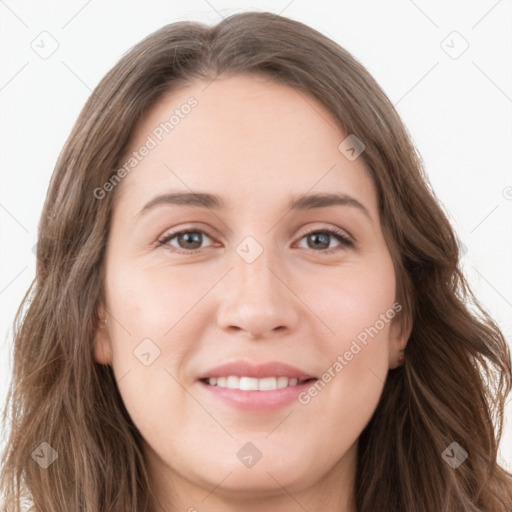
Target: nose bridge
256	266
255	298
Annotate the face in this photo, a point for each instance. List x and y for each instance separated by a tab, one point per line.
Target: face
248	279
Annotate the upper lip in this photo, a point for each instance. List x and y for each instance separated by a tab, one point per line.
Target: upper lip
260	371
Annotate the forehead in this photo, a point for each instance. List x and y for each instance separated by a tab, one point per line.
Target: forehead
244	136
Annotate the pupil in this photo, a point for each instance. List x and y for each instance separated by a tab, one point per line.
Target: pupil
189	238
317	236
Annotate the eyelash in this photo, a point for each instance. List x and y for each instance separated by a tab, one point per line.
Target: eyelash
344	240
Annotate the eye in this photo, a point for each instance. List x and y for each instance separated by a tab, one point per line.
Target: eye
187	239
190	240
321	238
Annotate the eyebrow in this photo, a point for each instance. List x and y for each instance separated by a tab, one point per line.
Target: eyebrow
214	202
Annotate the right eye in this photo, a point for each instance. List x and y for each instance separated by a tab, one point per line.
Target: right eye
189	240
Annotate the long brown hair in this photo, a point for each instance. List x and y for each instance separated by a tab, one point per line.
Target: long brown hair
457	372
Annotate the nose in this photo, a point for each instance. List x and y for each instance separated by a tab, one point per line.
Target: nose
257	301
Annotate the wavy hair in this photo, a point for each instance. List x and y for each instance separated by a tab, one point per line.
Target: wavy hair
457	372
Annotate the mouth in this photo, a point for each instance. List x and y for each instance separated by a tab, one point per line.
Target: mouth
254	388
250	395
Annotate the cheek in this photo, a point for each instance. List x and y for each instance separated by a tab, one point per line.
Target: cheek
151	301
358	307
354	299
154	333
148	335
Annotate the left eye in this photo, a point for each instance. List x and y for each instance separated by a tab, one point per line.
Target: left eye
191	240
322	237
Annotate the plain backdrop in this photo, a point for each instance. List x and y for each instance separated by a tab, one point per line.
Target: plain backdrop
446	66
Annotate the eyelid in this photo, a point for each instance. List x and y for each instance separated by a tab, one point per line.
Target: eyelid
326	228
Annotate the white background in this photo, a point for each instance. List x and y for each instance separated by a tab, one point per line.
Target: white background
458	111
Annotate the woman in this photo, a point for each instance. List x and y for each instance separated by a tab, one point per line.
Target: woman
255	369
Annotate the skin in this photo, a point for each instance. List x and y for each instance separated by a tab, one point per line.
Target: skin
256	144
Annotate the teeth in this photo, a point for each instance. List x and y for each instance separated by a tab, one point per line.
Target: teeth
253	384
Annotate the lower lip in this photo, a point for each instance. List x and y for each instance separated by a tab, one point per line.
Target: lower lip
257	401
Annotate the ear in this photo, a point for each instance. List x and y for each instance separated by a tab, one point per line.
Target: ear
399	334
102	342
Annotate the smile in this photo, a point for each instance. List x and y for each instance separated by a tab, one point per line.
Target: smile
254	384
